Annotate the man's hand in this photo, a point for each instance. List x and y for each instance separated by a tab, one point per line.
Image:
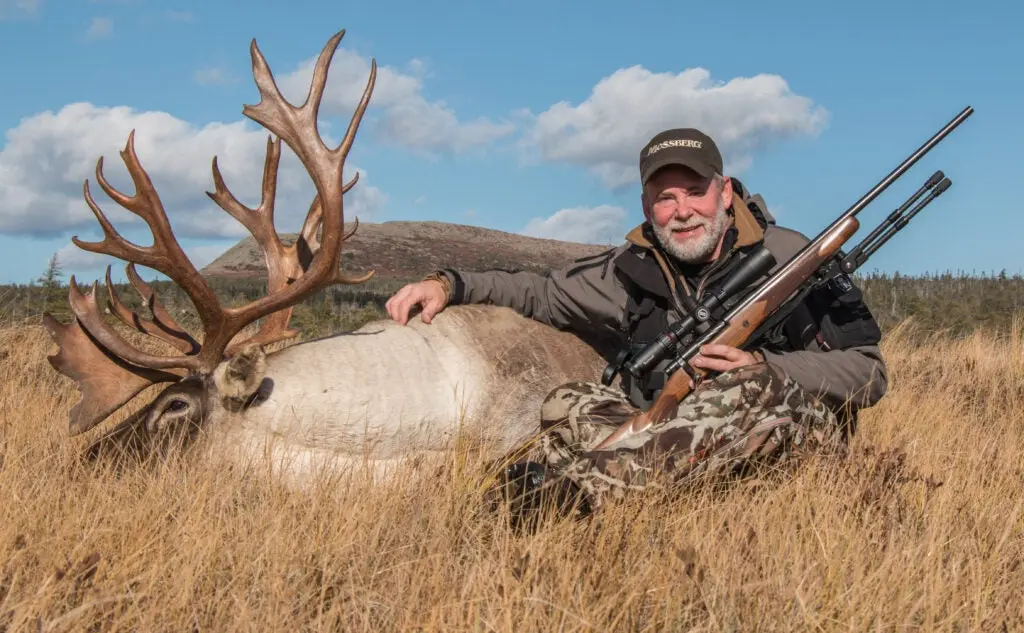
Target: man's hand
717	357
429	293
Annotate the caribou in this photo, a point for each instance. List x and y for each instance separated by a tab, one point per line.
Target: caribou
376	395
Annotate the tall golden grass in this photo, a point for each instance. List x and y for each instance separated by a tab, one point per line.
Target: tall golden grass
919	529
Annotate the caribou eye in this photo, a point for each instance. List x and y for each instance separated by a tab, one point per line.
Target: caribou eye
177	405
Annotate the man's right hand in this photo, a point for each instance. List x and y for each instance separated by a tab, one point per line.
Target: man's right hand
429	294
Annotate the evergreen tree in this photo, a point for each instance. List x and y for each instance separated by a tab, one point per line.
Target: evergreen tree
51	278
52	297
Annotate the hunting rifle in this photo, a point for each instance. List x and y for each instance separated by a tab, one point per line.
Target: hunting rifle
814	265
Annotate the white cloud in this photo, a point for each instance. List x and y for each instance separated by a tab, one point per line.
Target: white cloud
407	117
48	156
17	8
432	126
606	131
604	224
99	28
74	261
87	266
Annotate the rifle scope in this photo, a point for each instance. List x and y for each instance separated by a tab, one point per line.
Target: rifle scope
756	264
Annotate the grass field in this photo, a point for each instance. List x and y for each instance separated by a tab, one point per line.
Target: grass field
920	529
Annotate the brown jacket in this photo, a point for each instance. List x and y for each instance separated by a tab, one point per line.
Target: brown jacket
590	298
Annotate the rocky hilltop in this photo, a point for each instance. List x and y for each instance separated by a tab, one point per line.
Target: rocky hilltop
409	250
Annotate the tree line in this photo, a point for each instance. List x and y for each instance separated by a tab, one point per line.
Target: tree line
956	303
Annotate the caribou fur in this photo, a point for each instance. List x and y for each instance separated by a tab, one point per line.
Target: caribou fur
374	396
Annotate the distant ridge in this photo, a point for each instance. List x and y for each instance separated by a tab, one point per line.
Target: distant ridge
410	249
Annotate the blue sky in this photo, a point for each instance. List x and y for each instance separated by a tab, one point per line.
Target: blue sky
525	116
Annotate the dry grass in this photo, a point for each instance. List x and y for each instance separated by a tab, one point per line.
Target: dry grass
920	529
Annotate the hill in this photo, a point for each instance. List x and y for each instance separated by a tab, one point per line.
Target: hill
408	250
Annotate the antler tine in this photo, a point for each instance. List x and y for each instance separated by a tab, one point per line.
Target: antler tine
297	126
274	329
260	220
87	311
282	264
288	280
355	227
105	381
161	316
351	183
296	259
165	255
122	371
311	228
162	325
309	241
314	219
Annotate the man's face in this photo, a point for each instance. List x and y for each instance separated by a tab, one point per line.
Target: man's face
688	213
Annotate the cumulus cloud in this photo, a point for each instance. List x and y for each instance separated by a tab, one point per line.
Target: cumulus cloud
604	224
48	156
407	117
87	266
605	132
75	261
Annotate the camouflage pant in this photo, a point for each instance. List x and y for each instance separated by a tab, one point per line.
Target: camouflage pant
751	416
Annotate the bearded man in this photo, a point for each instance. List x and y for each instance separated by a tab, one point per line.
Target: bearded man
793	392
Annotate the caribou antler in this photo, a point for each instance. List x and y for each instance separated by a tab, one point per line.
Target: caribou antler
284	264
108	369
161	326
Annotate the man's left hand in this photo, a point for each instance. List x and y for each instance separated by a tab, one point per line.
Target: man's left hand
718	357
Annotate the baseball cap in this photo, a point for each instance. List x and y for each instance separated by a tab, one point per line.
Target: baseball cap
680	146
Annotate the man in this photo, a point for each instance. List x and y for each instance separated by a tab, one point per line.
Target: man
793	392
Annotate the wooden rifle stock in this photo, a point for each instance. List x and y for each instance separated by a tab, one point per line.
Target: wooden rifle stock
741	322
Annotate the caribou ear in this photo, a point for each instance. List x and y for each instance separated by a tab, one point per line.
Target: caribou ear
238	377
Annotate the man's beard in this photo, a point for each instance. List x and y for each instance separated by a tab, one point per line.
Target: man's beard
698	250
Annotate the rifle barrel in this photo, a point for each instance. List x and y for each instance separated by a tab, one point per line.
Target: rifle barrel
918	154
867	247
865	199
